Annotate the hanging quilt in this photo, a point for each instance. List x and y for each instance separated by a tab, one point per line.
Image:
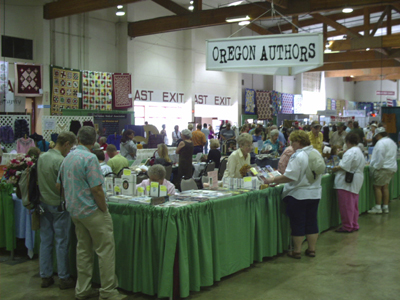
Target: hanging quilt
298	104
328	103
3	76
276	99
122	91
250	102
333	104
28	80
287	103
65	89
264	105
97	90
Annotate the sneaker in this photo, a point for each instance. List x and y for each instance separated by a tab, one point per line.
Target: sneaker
67	283
46	282
115	297
92	294
375	210
385	210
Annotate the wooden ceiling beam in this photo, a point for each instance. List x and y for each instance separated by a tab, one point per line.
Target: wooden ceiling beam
358	65
64	8
394	78
361	28
330	58
388	41
379	23
329	5
396	7
366	21
280	3
258	29
364	72
336	25
172	6
334	17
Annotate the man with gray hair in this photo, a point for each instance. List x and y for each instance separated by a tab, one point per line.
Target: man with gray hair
82	181
54	224
281	137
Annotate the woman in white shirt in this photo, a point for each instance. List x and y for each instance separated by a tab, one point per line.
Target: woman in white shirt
127	146
239	157
301	195
353	161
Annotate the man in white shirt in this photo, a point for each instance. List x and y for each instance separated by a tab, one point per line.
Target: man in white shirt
382	167
338	136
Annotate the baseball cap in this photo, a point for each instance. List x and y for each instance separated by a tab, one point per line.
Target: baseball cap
315	124
374	124
340	124
379	130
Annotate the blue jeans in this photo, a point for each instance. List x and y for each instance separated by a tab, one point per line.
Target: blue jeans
54	226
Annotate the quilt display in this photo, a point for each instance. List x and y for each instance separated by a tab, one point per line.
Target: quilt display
122	91
97	90
28	80
276	101
65	89
3	76
298	104
250	102
287	103
264	105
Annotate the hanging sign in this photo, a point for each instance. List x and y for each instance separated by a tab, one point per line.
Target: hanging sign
204	99
150	95
385	93
283	54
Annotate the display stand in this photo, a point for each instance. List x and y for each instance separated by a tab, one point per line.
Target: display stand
10	121
58	124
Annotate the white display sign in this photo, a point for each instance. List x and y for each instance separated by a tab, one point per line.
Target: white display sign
49	124
158	96
355	113
204	99
14	103
283	54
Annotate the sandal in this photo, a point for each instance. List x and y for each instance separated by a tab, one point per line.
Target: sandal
295	255
310	253
341	230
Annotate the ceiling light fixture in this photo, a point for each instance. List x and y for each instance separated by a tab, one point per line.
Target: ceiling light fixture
244	23
352	76
347	10
191	2
368	49
120	12
120	6
235	3
191	7
237	19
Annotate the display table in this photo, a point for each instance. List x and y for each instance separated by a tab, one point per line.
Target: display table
23	225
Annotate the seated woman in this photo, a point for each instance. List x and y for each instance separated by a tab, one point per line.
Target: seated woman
163	158
239	161
157	174
273	141
103	143
128	147
214	154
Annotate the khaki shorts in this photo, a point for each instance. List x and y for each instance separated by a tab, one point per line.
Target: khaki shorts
382	177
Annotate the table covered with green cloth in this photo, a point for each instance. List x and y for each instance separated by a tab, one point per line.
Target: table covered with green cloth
7	219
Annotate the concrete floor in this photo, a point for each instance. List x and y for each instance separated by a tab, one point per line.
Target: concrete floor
361	265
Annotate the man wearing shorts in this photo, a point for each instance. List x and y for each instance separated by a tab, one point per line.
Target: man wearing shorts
383	166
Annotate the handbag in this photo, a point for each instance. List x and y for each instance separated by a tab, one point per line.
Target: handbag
350	175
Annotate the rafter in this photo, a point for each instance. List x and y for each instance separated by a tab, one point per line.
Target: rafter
336	25
388	41
172	6
396	7
354	56
358	65
64	8
394	78
260	30
362	28
364	72
366	21
379	23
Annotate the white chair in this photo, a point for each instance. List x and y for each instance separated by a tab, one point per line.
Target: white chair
188	184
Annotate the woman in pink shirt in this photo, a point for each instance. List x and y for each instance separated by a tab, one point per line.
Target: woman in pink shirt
157	174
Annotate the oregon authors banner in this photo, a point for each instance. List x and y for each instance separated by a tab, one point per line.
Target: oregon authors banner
284	54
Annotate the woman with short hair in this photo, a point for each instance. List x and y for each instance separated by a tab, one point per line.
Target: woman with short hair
185	151
353	162
214	154
301	196
128	147
157	174
239	157
273	140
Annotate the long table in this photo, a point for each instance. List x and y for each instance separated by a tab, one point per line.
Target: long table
209	240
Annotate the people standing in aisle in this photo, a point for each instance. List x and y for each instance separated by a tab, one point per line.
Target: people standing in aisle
338	137
85	201
176	136
185	151
214	154
227	134
117	162
127	146
163	132
353	162
55	225
300	195
383	165
370	134
360	133
211	135
198	139
349	126
240	158
206	133
316	137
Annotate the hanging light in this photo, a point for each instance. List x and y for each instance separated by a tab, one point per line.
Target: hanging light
238	19
120	11
347	10
244	23
191	7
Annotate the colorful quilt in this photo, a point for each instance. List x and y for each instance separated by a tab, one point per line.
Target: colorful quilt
287	103
250	102
276	99
328	103
97	90
28	80
122	91
264	105
3	76
65	89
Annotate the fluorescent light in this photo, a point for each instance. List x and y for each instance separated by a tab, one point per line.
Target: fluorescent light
120	6
352	76
120	13
244	23
237	19
368	49
191	2
347	10
235	3
191	7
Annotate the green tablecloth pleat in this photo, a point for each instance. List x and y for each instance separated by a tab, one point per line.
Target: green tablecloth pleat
366	198
7	223
328	210
394	187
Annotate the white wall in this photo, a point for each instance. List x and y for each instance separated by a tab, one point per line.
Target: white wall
336	88
365	91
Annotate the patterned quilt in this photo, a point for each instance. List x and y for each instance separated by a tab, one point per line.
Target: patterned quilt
65	87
